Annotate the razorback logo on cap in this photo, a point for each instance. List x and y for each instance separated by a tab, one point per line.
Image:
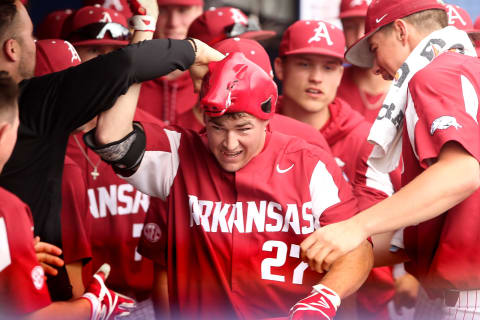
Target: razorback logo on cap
321	32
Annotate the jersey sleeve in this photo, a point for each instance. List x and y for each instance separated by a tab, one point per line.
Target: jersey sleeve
160	163
153	241
369	184
442	110
63	101
74	215
332	196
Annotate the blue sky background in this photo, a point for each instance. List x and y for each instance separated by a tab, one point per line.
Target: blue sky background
472	6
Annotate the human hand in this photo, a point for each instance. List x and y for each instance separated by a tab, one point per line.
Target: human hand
145	15
47	256
406	292
322	303
150	6
105	303
203	56
324	246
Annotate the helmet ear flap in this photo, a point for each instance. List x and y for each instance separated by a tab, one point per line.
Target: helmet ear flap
267	105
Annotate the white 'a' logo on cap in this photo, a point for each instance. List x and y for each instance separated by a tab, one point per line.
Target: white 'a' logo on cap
116	4
321	32
106	17
74	52
453	15
356	3
237	16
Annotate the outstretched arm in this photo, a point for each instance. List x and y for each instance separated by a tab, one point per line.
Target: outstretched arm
453	178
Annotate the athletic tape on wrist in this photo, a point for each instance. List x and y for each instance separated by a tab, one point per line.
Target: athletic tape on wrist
329	294
142	23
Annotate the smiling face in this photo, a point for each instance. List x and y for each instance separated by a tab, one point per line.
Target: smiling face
235	140
309	81
389	52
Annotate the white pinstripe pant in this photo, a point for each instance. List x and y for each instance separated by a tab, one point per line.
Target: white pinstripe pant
467	307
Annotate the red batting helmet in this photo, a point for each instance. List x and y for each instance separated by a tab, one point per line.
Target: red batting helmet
237	84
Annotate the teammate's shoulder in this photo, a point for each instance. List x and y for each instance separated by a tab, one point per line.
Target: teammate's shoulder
10	202
445	66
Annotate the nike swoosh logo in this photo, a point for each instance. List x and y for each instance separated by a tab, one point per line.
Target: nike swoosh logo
284	170
379	20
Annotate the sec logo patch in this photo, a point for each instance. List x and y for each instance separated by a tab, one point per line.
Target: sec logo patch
152	232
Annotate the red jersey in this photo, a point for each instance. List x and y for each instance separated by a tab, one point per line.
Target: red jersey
75	218
167	99
346	133
117	212
366	104
230	241
22	281
443	106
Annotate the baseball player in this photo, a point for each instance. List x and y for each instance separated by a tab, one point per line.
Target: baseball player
429	118
217	24
34	170
165	98
459	18
23	291
310	68
360	87
240	198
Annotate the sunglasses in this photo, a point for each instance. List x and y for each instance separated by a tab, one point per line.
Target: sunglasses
238	28
101	30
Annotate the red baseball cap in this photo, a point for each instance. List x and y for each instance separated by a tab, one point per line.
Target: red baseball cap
353	8
52	24
121	6
379	14
96	25
313	37
251	49
217	24
459	18
180	2
236	84
476	25
54	55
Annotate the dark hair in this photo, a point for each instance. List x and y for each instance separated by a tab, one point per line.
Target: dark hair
8	11
8	96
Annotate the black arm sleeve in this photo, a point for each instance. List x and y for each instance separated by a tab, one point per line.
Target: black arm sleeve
60	102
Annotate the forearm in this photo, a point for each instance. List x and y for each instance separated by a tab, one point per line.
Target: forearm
72	310
349	272
443	185
74	271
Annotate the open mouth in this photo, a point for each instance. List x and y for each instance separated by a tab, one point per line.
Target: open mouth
314	92
231	155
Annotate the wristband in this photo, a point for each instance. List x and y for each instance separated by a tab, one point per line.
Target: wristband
328	293
142	23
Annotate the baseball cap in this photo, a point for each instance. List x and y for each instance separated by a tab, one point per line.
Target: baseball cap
54	55
476	25
96	25
51	26
180	2
353	8
379	14
217	24
459	18
313	37
236	84
121	6
251	49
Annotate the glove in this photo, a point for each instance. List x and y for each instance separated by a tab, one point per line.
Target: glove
322	303
105	303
